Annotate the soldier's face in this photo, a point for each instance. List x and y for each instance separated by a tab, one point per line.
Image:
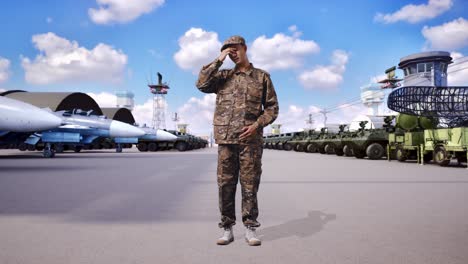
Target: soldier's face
238	53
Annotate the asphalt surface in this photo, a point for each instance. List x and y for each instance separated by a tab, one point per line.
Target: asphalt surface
131	207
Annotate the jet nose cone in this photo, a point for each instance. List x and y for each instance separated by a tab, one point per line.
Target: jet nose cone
120	129
165	136
45	121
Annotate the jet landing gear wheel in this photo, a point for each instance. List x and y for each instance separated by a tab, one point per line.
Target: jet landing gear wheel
48	151
118	148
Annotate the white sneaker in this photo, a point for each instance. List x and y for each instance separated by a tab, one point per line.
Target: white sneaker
228	237
251	237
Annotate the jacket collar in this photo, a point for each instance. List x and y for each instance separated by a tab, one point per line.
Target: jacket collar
248	71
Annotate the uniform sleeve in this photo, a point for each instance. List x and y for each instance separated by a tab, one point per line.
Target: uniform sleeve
209	77
271	108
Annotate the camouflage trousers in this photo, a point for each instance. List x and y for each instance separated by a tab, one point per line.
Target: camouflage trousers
239	163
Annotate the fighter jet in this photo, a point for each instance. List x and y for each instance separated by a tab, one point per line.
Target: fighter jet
157	135
19	119
18	116
80	128
155	139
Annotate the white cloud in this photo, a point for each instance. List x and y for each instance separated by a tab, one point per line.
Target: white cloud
295	31
198	113
326	77
377	78
4	69
449	36
458	70
121	11
416	13
455	55
61	60
197	48
143	113
104	99
281	51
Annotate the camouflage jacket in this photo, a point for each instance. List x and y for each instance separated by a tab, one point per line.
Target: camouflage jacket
239	101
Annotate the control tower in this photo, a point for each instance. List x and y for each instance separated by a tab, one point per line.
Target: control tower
276	129
125	99
426	68
372	96
159	92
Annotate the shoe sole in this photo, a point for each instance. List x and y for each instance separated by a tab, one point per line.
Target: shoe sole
224	243
253	244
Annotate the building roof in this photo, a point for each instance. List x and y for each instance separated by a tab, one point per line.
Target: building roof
425	57
119	114
56	101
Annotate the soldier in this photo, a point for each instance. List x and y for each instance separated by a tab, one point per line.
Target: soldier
245	103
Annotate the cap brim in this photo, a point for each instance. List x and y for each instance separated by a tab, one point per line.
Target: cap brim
225	46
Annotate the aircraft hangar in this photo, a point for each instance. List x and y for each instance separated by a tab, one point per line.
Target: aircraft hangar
56	101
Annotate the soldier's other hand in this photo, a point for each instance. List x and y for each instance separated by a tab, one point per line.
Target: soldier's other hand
224	53
248	131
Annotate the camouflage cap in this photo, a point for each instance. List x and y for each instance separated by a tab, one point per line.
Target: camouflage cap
232	40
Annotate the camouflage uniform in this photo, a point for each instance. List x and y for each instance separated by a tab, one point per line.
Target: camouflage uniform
239	104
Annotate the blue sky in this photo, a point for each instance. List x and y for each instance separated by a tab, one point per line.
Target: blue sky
345	39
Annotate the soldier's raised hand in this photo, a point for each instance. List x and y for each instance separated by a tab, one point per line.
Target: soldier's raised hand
224	53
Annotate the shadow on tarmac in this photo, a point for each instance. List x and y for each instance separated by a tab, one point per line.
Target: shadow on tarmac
313	223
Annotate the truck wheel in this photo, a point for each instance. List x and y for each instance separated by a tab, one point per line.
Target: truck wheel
311	148
339	152
375	151
348	152
142	147
287	146
23	147
359	154
152	147
321	150
401	154
441	156
77	149
181	146
299	148
328	149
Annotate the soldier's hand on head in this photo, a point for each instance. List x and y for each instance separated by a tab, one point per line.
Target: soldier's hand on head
248	131
224	53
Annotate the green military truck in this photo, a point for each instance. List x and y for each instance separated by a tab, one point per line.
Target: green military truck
367	142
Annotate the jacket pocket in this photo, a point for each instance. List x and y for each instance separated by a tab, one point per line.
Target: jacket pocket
220	132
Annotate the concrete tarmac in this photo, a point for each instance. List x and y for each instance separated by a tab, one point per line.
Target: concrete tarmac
105	207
